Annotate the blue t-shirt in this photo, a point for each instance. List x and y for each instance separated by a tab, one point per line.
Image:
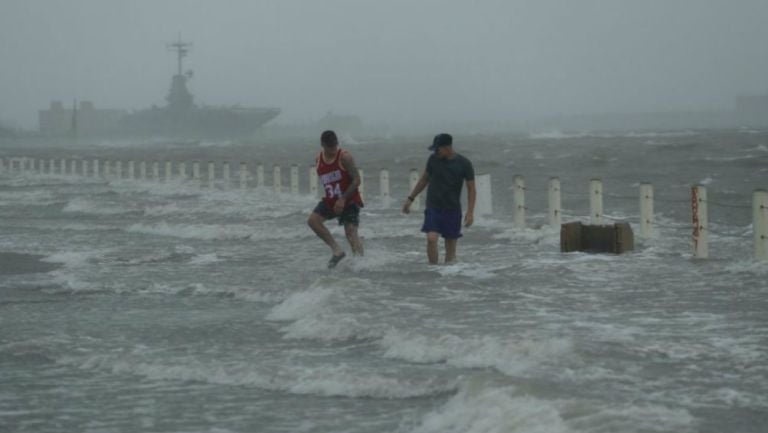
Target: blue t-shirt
446	178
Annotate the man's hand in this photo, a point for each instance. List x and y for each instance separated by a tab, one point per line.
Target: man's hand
469	218
338	207
406	207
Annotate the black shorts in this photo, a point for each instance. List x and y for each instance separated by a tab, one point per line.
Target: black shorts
350	214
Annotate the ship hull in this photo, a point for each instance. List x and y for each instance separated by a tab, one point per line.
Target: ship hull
203	122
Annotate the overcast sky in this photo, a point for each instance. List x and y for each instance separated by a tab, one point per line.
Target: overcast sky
389	61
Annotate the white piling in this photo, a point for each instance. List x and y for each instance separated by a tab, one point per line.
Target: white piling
295	179
646	210
119	169
225	173
596	201
168	171
143	170
96	168
2	165
700	221
760	223
483	199
107	168
73	167
183	170
155	171
196	171
518	200
84	168
260	176
414	179
555	203
277	181
361	188
384	187
51	166
243	175
211	173
312	175
131	169
63	166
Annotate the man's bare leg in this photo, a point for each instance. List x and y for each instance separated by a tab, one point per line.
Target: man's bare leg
450	251
316	223
432	238
354	240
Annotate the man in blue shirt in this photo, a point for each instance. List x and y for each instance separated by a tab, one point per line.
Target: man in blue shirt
444	176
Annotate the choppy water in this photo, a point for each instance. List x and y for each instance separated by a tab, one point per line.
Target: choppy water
176	308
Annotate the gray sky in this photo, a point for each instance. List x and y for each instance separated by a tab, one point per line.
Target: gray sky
389	61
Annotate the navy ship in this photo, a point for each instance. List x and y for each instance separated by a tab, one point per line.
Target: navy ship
182	118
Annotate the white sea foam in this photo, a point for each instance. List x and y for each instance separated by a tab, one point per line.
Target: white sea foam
205	259
509	356
544	235
74	259
37	198
68	282
328	380
332	309
483	409
555	135
249	294
88	206
635	418
303	303
471	270
196	231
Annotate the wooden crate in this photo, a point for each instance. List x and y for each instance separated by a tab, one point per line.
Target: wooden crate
616	238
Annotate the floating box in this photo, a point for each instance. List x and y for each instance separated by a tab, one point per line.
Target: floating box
616	238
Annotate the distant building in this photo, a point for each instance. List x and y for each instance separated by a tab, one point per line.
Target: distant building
84	120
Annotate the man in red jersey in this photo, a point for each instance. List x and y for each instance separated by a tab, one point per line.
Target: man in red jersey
340	180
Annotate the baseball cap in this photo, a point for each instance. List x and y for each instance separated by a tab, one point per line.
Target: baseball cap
441	140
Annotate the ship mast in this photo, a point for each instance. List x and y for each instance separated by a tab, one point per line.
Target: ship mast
181	48
179	99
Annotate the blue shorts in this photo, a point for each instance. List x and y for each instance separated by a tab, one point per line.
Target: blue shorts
445	222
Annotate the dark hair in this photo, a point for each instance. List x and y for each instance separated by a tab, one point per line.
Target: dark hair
329	137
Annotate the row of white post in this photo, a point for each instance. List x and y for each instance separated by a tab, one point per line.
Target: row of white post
699	212
483	206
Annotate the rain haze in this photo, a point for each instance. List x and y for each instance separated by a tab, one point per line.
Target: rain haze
389	62
164	259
